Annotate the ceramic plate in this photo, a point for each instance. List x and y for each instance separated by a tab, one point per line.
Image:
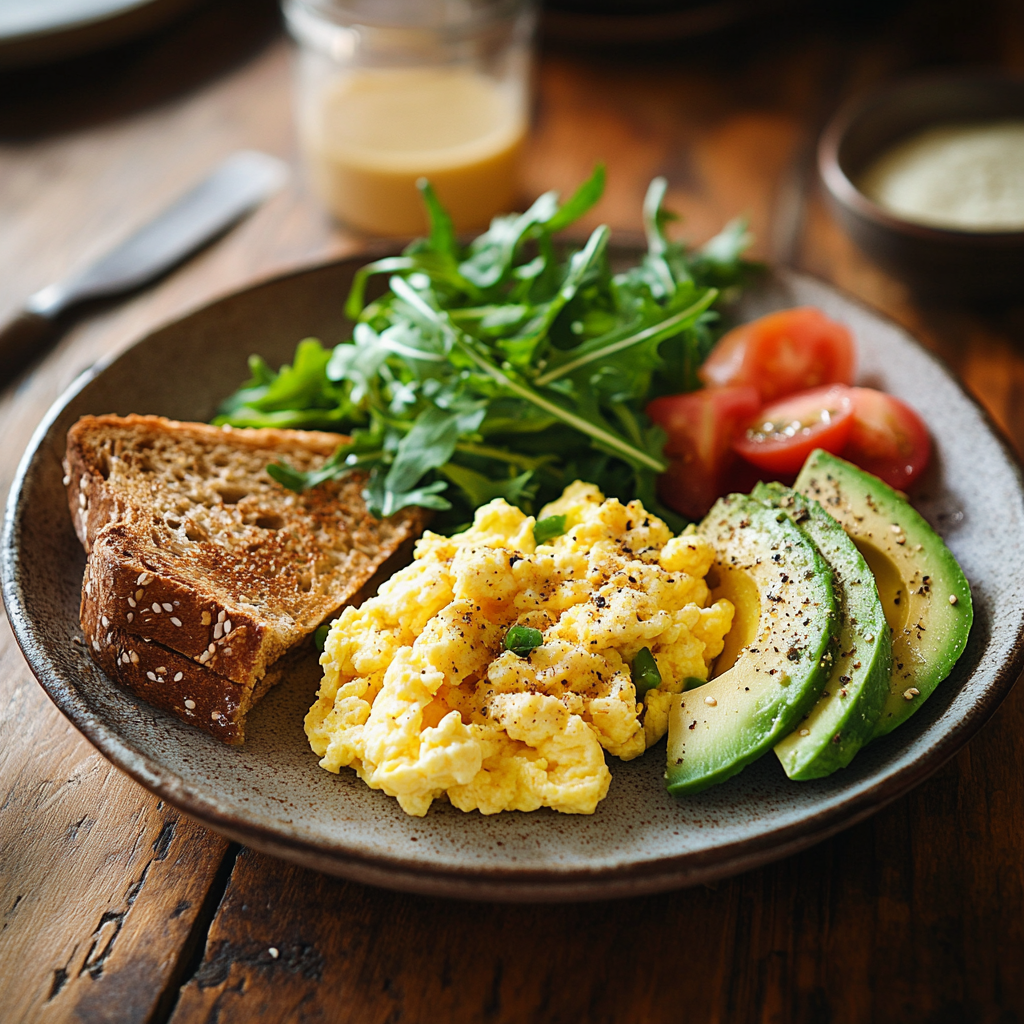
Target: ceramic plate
36	31
271	795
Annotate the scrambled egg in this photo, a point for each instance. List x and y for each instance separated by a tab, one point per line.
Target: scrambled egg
420	697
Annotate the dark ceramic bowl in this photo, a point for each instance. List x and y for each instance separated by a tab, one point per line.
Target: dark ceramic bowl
270	793
936	261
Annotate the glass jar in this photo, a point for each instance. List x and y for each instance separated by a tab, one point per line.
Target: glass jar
389	91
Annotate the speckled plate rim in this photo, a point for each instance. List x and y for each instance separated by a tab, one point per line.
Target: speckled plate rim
854	804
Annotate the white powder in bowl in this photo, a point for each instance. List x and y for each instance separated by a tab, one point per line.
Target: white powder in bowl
964	176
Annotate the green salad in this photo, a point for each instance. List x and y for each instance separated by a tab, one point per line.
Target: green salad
508	367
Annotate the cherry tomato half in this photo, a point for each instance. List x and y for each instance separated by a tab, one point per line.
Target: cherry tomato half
781	436
887	438
783	353
700	428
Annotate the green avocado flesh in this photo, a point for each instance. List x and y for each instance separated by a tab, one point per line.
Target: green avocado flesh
925	596
843	718
778	655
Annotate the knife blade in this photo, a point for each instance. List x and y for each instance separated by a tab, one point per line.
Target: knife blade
220	200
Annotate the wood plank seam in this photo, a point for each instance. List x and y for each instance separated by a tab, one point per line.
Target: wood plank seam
193	949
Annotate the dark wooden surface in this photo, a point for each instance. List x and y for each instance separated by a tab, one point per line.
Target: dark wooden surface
113	907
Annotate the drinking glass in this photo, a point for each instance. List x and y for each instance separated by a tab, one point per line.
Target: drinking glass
392	91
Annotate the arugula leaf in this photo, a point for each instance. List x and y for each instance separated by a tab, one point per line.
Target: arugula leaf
286	419
724	250
598	431
520	350
548	528
580	202
262	374
479	489
595	429
415	260
382	503
442	234
288	477
357	293
298	384
430	443
655	217
506	368
599	348
491	254
334	468
359	363
299	395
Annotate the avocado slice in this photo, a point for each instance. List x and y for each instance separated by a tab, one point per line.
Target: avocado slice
925	595
778	654
844	717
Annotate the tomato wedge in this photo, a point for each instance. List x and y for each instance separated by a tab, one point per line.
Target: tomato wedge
887	438
700	427
783	353
784	433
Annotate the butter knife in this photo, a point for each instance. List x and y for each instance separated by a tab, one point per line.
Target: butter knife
233	189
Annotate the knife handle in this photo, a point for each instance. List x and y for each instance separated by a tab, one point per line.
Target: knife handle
22	338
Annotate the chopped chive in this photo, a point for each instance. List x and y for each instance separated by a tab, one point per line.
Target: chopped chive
645	672
523	639
548	529
320	636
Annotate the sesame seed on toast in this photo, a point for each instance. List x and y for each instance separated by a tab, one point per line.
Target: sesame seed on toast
194	550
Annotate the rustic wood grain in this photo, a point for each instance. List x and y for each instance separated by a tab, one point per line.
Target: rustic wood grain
915	915
895	921
102	887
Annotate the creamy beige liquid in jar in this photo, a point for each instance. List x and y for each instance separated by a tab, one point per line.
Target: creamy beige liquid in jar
435	89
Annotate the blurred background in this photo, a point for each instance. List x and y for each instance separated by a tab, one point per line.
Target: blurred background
106	119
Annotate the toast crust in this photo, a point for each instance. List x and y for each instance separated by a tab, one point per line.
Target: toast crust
121	589
207	572
168	680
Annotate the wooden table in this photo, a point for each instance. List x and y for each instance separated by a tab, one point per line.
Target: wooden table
115	907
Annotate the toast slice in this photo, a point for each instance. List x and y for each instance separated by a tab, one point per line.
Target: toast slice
203	571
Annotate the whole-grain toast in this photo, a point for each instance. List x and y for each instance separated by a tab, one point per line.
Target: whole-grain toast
201	565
